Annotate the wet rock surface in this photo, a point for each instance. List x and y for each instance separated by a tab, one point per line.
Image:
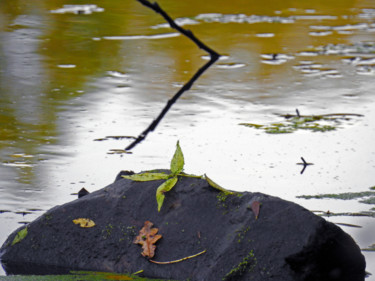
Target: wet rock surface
286	242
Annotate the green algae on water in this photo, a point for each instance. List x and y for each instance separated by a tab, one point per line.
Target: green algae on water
314	123
344	196
365	197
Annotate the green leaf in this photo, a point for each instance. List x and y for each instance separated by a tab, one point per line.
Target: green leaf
20	235
177	163
216	186
163	188
147	177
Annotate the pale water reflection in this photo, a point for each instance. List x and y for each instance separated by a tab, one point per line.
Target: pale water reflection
72	74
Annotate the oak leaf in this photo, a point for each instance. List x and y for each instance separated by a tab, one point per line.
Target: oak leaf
147	238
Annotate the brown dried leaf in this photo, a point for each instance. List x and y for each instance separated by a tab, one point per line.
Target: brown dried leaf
255	206
147	238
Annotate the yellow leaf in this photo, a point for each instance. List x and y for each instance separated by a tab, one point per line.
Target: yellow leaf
84	222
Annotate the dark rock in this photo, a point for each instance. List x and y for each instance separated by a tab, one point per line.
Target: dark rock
286	242
82	192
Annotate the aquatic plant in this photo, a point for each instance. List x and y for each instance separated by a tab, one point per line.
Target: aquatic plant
176	168
314	123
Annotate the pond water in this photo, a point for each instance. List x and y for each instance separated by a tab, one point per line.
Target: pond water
74	72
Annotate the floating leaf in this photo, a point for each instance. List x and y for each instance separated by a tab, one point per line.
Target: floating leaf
20	235
163	188
216	186
84	222
147	238
177	163
255	206
146	176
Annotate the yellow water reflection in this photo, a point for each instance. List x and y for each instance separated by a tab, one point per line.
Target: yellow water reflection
50	56
51	53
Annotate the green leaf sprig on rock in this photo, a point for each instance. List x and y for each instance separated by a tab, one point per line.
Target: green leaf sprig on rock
177	166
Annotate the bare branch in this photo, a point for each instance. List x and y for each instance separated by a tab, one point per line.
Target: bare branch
214	57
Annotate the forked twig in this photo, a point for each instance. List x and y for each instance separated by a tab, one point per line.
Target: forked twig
305	164
214	57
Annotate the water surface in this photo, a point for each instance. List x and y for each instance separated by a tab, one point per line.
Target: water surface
73	73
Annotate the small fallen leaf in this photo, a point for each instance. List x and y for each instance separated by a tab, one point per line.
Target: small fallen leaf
84	222
255	207
20	235
163	188
147	238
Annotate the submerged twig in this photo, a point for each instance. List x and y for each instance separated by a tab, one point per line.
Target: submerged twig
179	260
305	164
214	57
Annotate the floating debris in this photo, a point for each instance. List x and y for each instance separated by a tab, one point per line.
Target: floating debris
118	151
370	248
366	197
23	213
275	59
314	123
115	138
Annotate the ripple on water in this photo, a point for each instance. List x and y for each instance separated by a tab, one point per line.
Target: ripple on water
314	69
368	14
226	18
222	57
179	21
265	35
320	33
117	74
230	65
359	49
138	37
18	164
78	9
275	59
66	66
366	70
324	30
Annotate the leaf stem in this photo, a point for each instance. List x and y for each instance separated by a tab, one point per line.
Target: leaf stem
191	176
179	260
